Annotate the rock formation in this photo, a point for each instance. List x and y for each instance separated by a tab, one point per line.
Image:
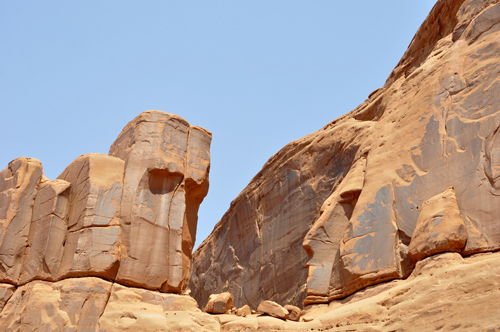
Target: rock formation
128	218
439	227
379	221
219	303
352	193
166	178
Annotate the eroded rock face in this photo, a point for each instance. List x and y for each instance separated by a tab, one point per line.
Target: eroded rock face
439	228
354	190
74	304
91	304
166	178
134	309
93	229
102	212
18	183
47	232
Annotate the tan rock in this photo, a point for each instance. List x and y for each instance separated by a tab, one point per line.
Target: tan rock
427	300
223	319
433	125
75	304
244	311
293	312
134	309
92	239
6	292
18	184
166	178
43	255
439	228
219	303
273	309
322	242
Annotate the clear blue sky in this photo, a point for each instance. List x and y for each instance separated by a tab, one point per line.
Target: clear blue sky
257	74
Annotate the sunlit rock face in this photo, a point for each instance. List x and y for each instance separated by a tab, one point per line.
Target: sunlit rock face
18	188
128	217
352	192
165	180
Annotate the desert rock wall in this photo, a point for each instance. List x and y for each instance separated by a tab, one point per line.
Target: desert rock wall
353	191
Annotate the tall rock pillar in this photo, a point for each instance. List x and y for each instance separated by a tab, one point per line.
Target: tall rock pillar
166	178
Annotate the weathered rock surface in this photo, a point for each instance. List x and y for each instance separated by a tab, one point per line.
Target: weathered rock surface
47	232
244	311
444	293
439	228
6	292
219	303
93	304
272	308
166	178
134	309
93	224
354	190
101	214
368	197
427	300
18	183
74	304
293	312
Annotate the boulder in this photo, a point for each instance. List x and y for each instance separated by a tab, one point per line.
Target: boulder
244	311
439	228
293	312
273	309
220	303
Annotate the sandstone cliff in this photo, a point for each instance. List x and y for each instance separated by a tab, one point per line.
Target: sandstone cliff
81	223
352	194
384	220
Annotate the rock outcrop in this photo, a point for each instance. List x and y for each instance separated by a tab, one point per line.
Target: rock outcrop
129	217
273	309
439	228
353	191
166	178
219	303
380	221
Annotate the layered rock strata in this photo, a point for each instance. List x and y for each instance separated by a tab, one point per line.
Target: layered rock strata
353	191
129	217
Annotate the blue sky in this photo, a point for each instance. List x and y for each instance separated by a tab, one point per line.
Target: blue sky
257	74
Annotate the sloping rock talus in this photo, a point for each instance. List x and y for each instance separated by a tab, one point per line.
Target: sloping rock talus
352	192
129	217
